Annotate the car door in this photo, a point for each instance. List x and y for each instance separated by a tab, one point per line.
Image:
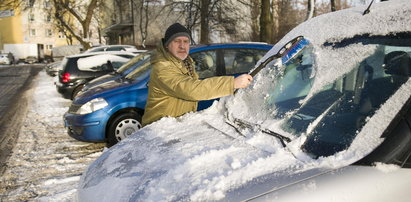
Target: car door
222	62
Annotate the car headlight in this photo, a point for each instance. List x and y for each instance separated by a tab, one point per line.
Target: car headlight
92	106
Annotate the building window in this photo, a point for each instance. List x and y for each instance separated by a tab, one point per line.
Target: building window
48	32
6	13
31	17
48	18
30	3
61	35
49	47
32	32
46	4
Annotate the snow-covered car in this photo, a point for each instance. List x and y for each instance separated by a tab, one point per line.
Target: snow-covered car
76	70
327	118
6	58
53	68
119	47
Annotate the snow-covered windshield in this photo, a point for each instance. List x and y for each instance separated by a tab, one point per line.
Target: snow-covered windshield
332	116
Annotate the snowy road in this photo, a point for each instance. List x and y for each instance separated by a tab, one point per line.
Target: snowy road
46	163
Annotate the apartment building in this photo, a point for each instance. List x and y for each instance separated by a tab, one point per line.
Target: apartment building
34	25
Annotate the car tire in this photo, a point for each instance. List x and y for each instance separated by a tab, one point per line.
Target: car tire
123	126
76	91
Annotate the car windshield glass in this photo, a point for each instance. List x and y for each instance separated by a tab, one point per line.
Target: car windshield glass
285	75
143	69
294	83
333	116
136	61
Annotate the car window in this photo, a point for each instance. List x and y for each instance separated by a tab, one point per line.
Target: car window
241	60
127	56
143	69
332	116
115	49
205	63
133	63
342	108
116	64
295	84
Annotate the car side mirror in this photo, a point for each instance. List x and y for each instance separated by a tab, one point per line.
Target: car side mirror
110	66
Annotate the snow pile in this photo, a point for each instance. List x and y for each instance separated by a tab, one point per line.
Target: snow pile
386	168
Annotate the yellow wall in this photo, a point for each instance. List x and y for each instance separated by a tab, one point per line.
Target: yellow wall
11	30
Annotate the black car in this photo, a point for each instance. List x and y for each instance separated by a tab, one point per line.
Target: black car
81	68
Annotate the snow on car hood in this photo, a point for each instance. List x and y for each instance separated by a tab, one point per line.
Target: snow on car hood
176	159
199	157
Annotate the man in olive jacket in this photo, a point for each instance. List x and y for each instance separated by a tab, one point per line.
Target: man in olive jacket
174	88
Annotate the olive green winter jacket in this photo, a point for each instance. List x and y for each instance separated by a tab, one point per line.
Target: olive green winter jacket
173	92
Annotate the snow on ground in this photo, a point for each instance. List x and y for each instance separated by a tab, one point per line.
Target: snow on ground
46	163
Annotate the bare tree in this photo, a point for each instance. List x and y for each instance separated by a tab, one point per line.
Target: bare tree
11	4
204	21
71	18
311	9
143	23
266	22
65	11
333	6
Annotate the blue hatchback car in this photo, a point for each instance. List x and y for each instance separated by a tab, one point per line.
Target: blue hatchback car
112	110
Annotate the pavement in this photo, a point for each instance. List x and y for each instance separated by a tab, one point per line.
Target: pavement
15	83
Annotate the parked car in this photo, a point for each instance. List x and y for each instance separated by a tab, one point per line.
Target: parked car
53	68
327	118
111	111
6	58
31	59
121	72
129	48
81	68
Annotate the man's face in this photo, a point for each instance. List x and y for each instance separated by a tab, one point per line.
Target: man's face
179	47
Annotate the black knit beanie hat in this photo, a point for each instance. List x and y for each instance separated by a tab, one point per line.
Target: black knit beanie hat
175	30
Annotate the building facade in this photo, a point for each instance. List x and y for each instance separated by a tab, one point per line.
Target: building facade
143	22
33	23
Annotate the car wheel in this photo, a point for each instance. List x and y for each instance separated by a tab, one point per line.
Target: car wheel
76	91
123	126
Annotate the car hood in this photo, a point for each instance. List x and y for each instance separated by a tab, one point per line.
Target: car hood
103	89
177	163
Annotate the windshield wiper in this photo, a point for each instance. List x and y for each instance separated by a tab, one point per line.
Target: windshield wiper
244	124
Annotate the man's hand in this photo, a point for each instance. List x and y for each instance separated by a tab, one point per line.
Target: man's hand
242	81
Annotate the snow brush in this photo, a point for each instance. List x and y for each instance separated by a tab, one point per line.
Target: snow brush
283	51
279	54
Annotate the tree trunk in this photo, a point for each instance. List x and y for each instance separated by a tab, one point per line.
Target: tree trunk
204	26
266	22
310	9
333	6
